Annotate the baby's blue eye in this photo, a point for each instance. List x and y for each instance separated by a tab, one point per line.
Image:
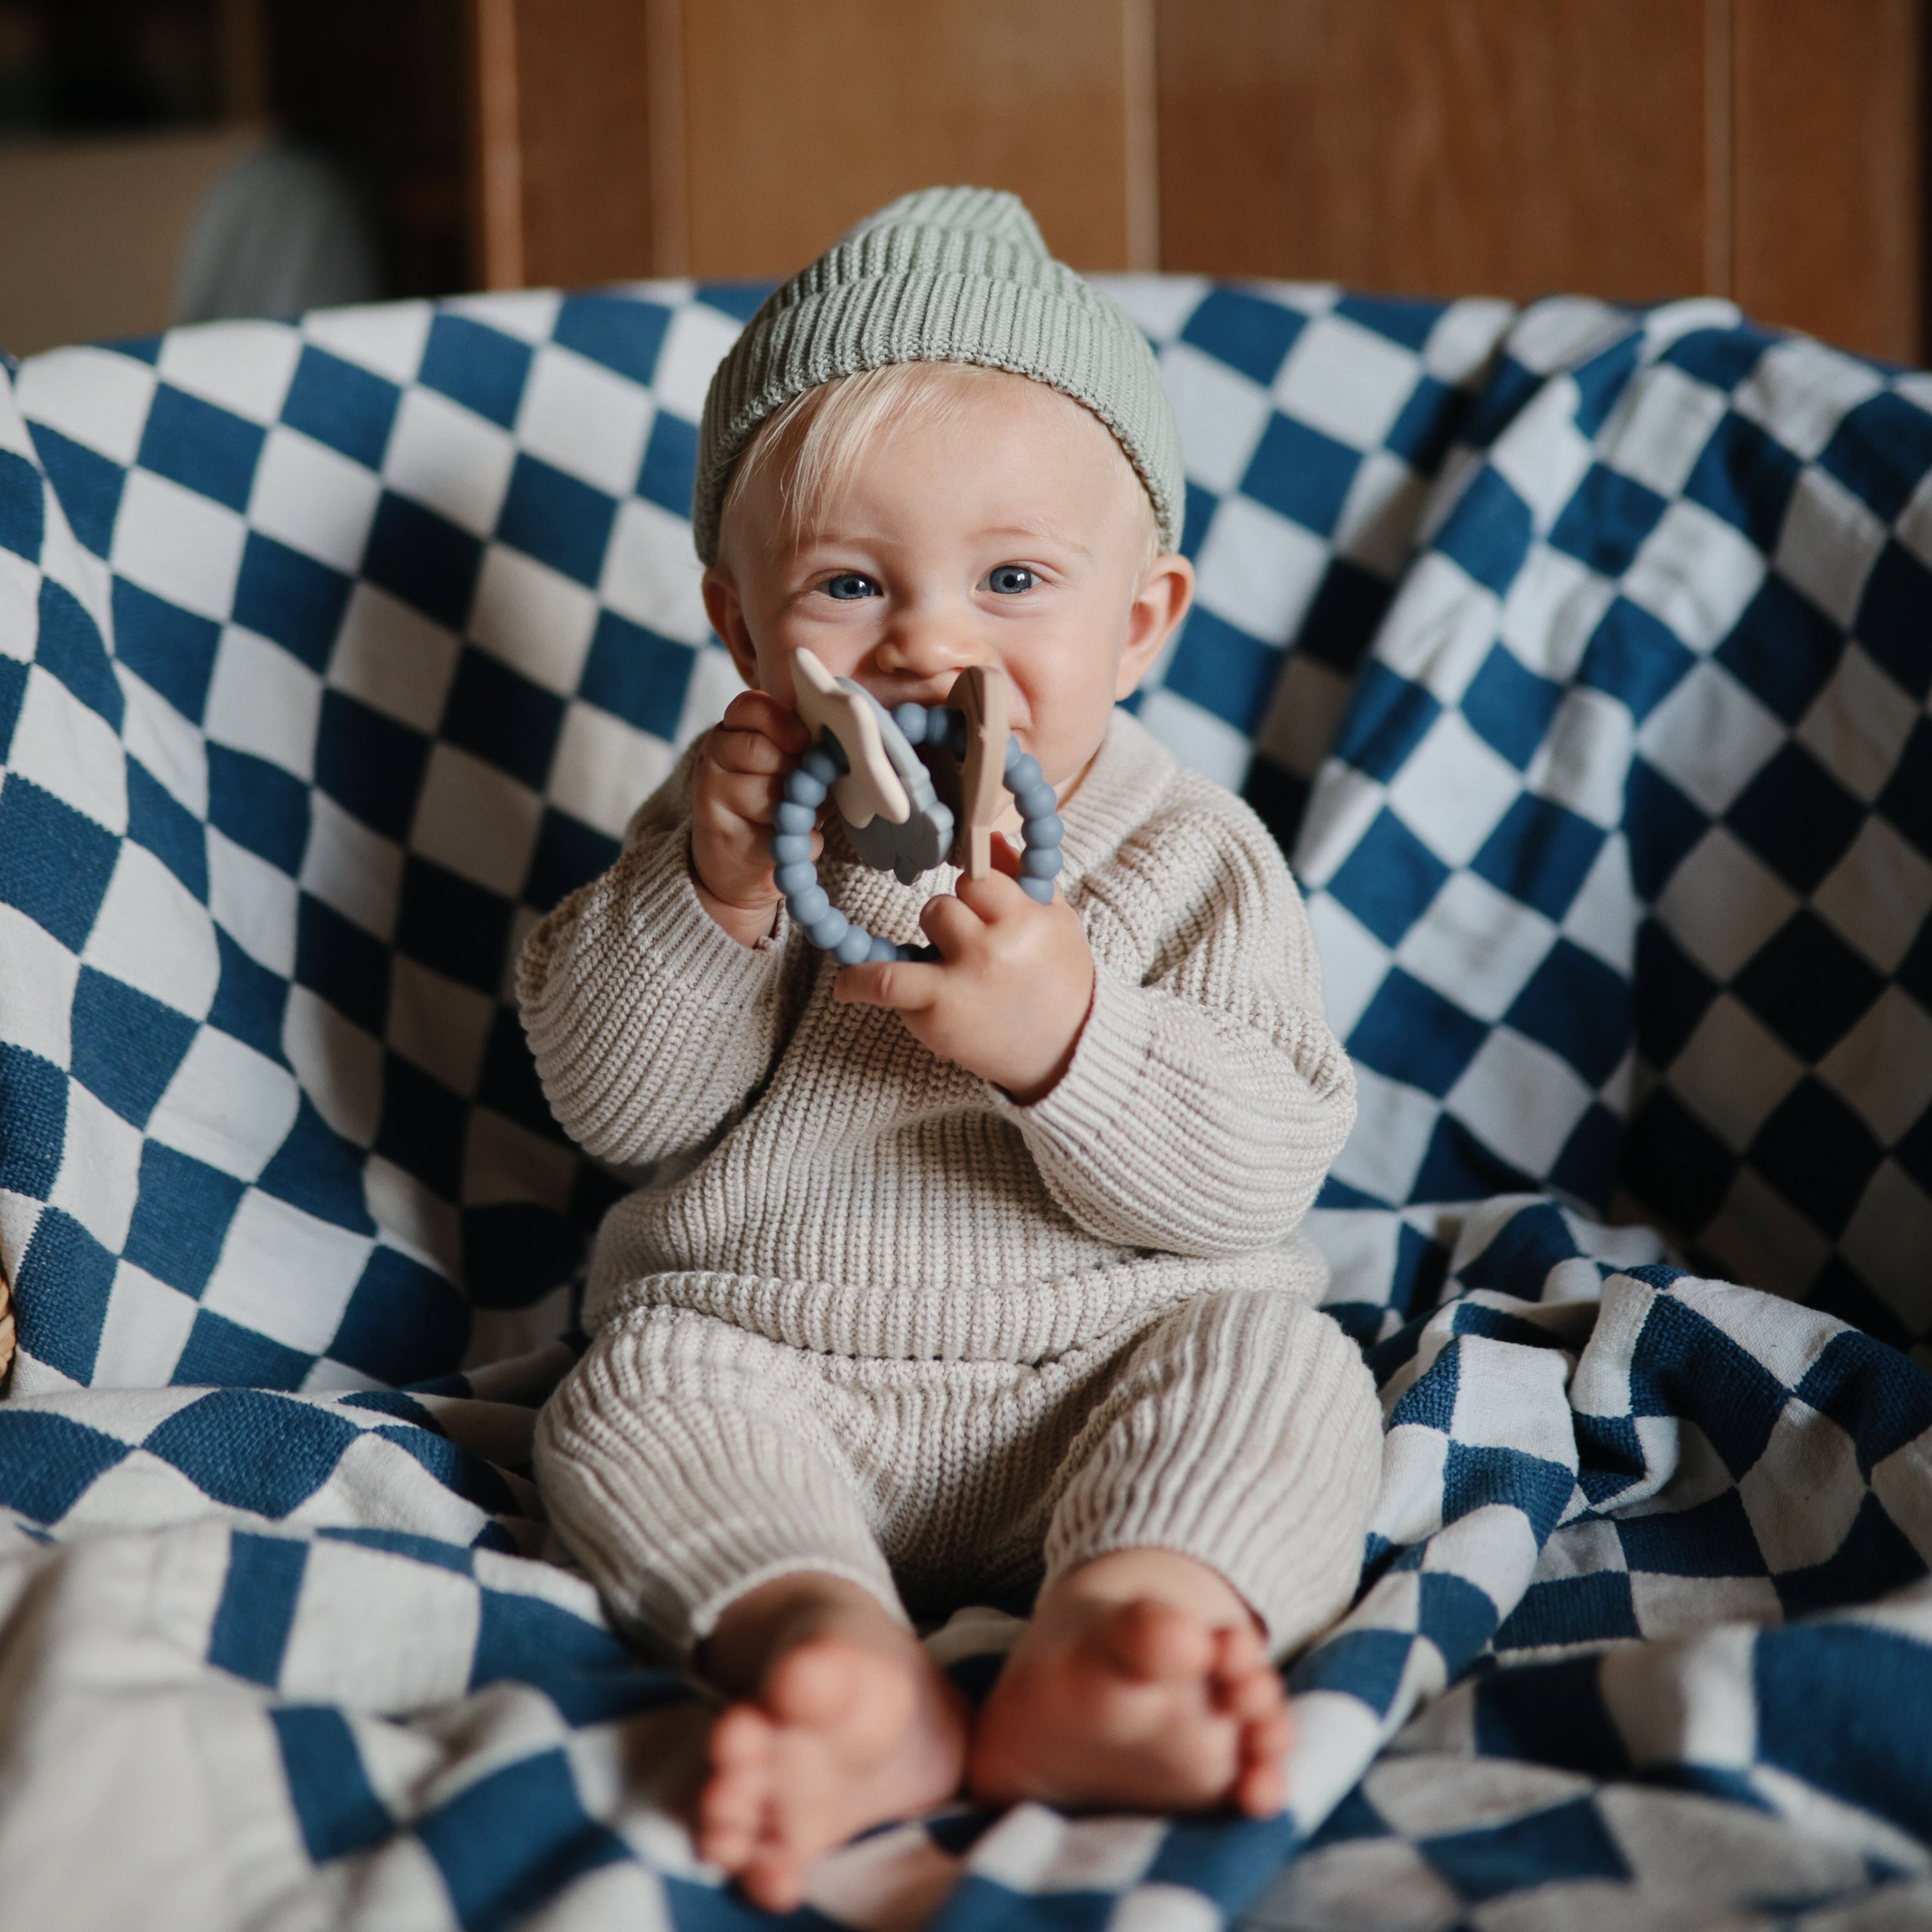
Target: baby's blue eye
849	584
1008	579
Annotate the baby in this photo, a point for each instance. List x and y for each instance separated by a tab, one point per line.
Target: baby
968	1279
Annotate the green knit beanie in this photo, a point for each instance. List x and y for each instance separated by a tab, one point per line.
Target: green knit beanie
950	275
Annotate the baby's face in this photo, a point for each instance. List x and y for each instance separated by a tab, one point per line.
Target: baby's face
1013	534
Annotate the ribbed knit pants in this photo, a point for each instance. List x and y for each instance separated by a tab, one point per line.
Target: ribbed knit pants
686	1461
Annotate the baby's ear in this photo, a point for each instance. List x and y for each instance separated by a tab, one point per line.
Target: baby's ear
1164	595
726	610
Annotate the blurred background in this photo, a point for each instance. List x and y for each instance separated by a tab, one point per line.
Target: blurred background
167	160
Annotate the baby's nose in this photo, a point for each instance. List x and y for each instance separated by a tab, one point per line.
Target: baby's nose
926	645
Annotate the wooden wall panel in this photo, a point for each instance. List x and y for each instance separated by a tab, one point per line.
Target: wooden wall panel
803	116
1774	150
1440	147
564	122
1828	155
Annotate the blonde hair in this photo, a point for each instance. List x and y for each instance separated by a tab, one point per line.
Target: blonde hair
811	444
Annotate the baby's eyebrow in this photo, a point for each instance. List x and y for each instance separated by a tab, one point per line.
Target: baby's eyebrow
1053	532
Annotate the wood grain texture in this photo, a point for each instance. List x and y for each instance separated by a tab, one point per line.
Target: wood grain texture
562	114
1829	146
496	153
802	116
584	98
1440	147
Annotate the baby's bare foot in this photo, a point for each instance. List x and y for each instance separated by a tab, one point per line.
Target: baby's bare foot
1140	1705
849	1727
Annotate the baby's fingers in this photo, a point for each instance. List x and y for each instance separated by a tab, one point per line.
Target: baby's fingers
905	985
742	750
951	923
758	712
749	795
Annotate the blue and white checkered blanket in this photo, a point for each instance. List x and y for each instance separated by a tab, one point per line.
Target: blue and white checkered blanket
1581	659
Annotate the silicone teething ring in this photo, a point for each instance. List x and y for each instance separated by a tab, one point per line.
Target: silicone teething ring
804	790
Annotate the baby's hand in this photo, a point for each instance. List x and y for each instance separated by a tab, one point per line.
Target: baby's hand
1009	995
734	793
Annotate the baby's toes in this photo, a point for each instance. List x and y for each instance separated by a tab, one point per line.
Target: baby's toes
775	1879
741	1740
1149	1641
1261	1789
730	1807
1249	1700
1266	1740
1260	1783
1239	1654
730	1813
813	1683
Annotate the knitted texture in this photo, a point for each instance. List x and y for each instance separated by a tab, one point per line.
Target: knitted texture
958	275
688	1461
868	1316
829	1182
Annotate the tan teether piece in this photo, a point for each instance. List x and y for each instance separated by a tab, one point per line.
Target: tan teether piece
979	694
870	788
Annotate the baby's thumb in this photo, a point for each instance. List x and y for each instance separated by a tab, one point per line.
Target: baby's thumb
1006	855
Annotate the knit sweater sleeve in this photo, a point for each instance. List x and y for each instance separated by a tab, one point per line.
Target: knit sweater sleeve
1207	1096
650	1025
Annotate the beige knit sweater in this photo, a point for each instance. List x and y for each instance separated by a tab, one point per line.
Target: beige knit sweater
825	1181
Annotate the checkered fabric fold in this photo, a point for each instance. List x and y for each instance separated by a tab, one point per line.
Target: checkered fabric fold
275	1656
1621	865
1580	656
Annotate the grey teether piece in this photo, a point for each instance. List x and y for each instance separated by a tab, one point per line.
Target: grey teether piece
924	838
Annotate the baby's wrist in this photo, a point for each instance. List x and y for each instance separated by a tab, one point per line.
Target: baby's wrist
748	924
1030	1093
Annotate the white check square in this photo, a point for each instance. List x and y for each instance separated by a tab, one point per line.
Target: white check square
477	820
449	458
1220	413
96	396
533	618
227	1104
245	366
585	419
179	545
153	933
265	701
271	1243
1346	380
313	499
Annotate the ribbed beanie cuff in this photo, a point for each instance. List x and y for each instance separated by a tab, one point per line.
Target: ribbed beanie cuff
957	274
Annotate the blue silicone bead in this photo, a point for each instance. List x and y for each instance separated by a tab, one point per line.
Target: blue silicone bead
883	949
1041	889
788	847
801	788
790	817
910	718
796	877
825	933
1041	862
1022	772
1046	830
809	906
855	948
823	763
1036	801
938	723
